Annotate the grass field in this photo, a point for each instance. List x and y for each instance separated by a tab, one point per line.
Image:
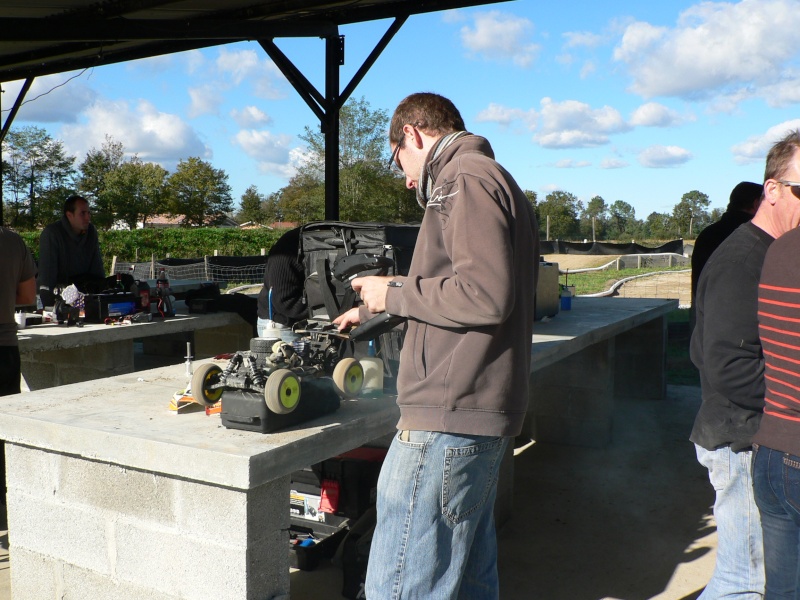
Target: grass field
680	370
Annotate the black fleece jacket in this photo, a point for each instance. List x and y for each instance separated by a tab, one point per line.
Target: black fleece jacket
725	345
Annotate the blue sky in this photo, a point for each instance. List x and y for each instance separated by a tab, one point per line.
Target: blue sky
632	101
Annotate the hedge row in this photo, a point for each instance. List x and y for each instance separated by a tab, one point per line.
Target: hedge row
140	244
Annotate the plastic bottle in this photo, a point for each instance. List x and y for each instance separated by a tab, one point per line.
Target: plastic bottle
373	372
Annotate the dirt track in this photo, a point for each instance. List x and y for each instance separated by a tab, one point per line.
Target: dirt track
667	285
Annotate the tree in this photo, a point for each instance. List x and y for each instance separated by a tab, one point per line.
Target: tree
252	206
303	200
91	179
659	226
690	214
593	219
562	210
368	191
135	191
199	192
37	176
622	220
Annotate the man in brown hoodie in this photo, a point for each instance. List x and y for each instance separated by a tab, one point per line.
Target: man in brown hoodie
464	368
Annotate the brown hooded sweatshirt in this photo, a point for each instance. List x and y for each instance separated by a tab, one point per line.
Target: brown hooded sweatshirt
469	295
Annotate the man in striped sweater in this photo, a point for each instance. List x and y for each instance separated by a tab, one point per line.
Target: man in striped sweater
776	469
726	349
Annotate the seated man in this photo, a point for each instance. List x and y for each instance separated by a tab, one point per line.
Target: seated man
69	250
284	277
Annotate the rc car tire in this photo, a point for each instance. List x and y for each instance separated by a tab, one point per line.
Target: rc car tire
204	376
348	377
261	345
282	392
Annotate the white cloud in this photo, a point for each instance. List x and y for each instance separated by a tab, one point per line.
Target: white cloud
569	163
659	157
756	147
573	124
653	114
195	60
238	65
453	16
271	152
714	46
152	135
499	37
502	115
51	99
784	92
613	163
242	66
587	69
250	116
205	100
586	39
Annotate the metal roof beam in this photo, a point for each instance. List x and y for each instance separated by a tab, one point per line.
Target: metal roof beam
115	30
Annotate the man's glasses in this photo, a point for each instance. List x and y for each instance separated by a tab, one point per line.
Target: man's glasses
793	185
394	162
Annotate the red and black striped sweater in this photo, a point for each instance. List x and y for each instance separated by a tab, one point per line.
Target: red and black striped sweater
779	328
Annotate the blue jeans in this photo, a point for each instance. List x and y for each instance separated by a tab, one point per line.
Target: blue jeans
435	537
739	572
776	481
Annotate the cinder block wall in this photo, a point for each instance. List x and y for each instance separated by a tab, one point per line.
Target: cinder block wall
572	402
83	529
60	367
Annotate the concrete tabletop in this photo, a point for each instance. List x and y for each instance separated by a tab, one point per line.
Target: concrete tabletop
591	320
52	336
125	419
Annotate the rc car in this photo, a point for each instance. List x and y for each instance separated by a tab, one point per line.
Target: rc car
277	369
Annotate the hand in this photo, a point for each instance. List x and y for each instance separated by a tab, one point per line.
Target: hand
347	319
373	291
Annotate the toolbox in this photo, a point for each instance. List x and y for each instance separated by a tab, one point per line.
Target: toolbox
99	307
311	542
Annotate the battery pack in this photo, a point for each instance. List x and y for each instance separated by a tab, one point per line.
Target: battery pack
247	410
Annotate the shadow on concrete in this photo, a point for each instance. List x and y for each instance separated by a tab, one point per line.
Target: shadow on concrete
630	521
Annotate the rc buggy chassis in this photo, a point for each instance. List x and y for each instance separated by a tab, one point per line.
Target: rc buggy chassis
276	369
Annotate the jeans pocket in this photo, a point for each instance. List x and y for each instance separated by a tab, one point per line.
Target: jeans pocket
791	480
718	463
469	478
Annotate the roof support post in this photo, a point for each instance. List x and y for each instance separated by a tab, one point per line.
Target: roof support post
334	58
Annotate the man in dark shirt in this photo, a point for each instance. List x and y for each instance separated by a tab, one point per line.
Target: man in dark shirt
69	250
743	204
280	301
726	349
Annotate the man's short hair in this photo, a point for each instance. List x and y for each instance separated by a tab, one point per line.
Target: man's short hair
69	203
428	112
781	154
745	196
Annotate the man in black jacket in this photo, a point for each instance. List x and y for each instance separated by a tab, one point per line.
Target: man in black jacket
280	301
743	204
726	348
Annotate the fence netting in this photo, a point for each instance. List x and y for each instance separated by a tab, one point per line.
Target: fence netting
223	269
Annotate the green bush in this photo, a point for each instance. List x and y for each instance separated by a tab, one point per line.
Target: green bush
140	245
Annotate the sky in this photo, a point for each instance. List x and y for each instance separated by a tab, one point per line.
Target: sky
627	100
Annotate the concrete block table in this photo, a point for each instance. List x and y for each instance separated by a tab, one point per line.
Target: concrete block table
584	358
111	495
55	354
